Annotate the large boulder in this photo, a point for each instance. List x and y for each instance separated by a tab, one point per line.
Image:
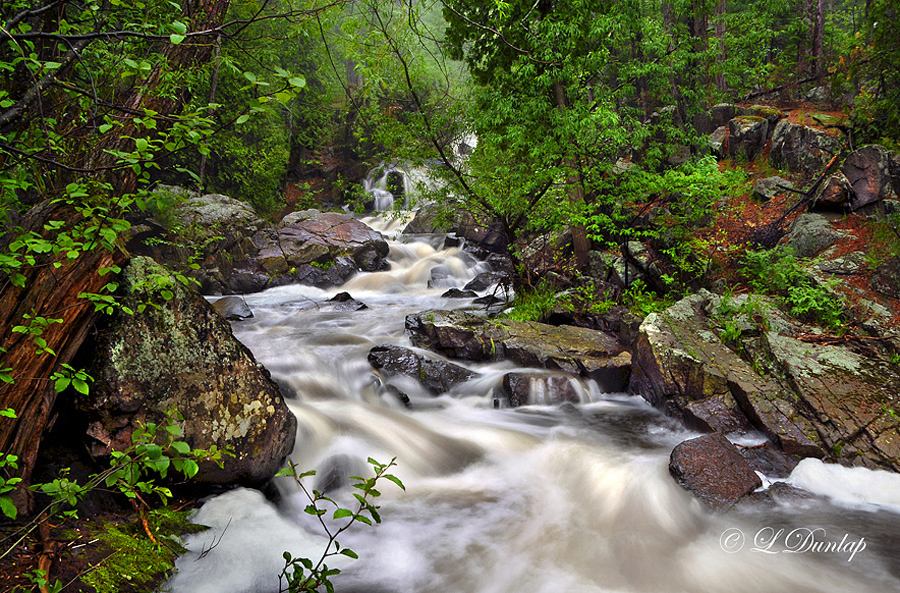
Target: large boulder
886	278
179	354
800	149
834	193
319	238
873	175
810	398
747	136
712	469
580	351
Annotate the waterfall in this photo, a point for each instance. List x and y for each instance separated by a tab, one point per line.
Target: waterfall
541	498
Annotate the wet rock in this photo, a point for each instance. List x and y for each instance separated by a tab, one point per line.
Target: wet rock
233	308
712	469
834	194
747	136
523	388
575	350
488	300
344	302
886	278
780	493
801	149
437	376
716	413
441	276
768	188
811	233
717	141
769	460
455	293
181	355
485	280
872	174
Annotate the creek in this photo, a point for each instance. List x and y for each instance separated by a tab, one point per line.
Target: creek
572	498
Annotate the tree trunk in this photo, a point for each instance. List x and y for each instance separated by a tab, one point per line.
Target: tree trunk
52	293
815	17
575	189
721	8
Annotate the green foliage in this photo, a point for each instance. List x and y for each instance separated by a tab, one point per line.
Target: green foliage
642	301
535	304
303	574
779	272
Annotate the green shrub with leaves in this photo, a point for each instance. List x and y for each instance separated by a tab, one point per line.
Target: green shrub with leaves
778	272
302	575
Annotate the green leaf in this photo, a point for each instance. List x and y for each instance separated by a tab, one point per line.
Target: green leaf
80	386
190	468
350	553
242	119
8	508
61	384
8	413
341	513
179	27
176	39
298	82
395	480
181	447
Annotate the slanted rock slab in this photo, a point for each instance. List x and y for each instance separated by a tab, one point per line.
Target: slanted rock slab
712	469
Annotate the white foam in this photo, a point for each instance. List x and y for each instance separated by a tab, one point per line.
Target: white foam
855	486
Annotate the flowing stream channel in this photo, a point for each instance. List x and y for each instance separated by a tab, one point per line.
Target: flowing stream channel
571	498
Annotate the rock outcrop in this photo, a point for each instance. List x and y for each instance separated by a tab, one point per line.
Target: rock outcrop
810	398
579	351
873	175
801	149
179	354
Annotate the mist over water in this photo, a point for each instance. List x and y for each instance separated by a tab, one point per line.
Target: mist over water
573	498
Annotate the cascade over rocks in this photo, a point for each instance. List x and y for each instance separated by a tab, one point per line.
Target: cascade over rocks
811	399
181	355
712	469
579	351
527	388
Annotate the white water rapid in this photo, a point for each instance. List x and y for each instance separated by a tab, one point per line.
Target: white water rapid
572	498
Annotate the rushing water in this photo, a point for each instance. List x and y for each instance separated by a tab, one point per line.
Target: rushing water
563	499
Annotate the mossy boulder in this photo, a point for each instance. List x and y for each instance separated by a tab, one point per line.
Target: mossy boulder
747	136
180	354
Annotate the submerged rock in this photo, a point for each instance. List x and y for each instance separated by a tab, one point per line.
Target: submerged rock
179	354
584	352
712	469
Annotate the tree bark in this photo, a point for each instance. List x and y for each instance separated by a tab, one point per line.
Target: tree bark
575	189
721	30
52	293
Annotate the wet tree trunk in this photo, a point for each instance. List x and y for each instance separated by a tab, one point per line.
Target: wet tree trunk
52	293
